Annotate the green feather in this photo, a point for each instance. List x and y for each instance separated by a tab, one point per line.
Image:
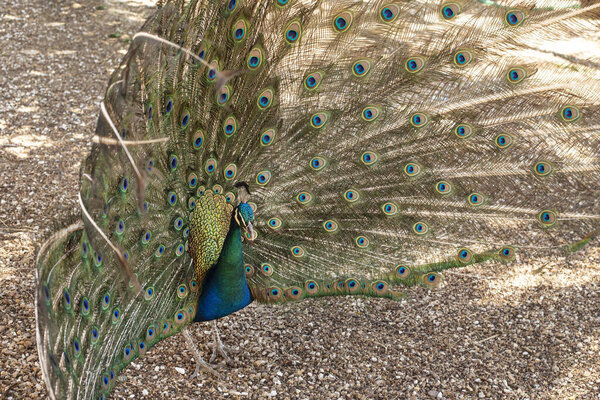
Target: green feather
382	143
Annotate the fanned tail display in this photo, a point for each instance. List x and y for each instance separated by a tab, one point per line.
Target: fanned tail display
357	147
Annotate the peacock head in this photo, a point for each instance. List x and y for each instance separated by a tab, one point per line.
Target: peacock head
243	214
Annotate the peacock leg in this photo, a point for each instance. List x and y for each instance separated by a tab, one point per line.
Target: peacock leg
218	347
200	363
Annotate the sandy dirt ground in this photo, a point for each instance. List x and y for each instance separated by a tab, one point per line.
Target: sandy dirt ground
526	330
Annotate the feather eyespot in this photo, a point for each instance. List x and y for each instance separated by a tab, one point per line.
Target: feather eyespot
465	255
85	306
361	241
230	126
67	299
116	315
516	75
514	17
217	189
149	112
197	140
150	333
127	353
475	199
213	67
95	335
192	180
351	285
462	58
263	177
420	228
443	187
380	287
180	317
370	113
317	163
231	5
342	22
503	141
173	161
274	223
146	237
311	287
432	279
547	218
463	131
255	58
149	293
98	259
414	64
389	13
191	203
293	32
179	250
389	209
319	120
200	191
249	270
312	81
171	198
202	53
570	113
293	293
178	223
166	328
507	253
120	227
76	347
542	168
369	158
185	119
282	3
274	293
265	99
223	95
210	166
169	106
182	291
84	249
419	120
351	195
297	251
449	11
330	226
124	185
304	198
229	197
412	169
230	172
402	271
266	269
361	68
239	31
267	137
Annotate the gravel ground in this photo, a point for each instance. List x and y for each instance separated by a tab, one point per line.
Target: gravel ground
527	330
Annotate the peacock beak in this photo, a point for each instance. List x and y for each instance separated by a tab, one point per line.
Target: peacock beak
250	234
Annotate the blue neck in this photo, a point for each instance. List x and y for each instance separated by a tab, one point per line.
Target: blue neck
225	289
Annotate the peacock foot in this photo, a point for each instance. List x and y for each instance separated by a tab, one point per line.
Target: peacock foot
201	365
218	347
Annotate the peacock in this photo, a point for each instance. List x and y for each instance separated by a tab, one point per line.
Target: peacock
280	150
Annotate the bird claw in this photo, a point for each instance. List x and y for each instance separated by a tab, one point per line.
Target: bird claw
219	349
201	365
